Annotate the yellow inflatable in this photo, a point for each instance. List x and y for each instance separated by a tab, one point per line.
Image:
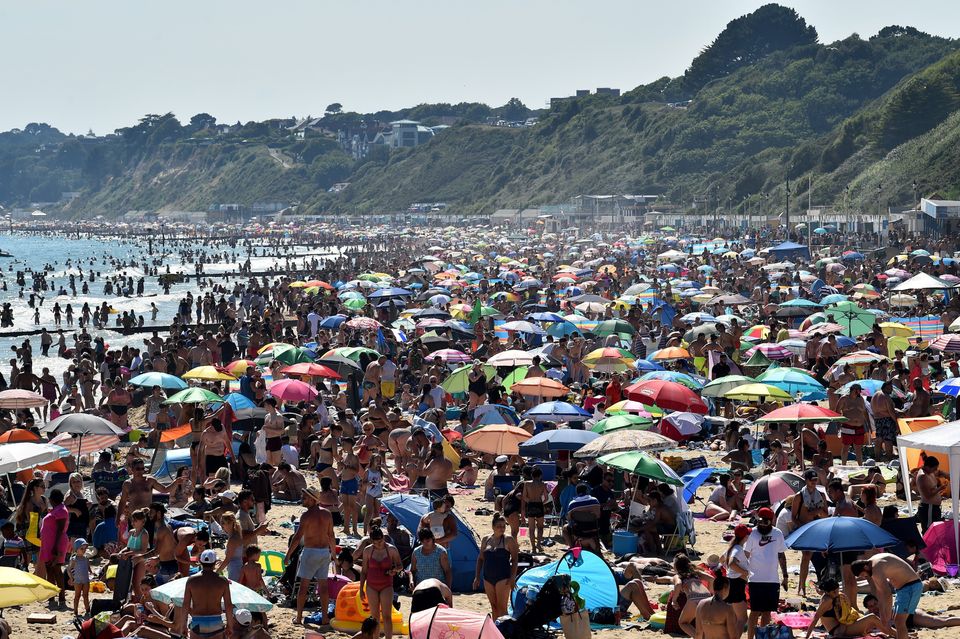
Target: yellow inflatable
658	620
351	611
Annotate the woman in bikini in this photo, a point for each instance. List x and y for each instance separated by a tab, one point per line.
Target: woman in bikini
325	452
497	563
688	582
381	562
534	498
349	486
839	618
118	400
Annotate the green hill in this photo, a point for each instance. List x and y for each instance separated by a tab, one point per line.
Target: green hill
763	103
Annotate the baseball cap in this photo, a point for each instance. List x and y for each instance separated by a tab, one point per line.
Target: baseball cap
79	543
742	531
208	557
501	459
765	513
810	474
243	616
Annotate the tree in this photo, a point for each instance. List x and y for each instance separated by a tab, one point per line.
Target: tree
333	109
514	110
202	121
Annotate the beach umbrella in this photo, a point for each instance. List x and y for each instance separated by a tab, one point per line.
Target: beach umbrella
511	358
549	441
721	385
292	390
290	356
621	422
19	435
82	424
310	369
242	597
950	387
613	327
238	402
332	321
823	329
458	380
608	360
860	358
522	326
707	330
557	412
352	353
691	382
770	351
390	291
355	303
790	380
896	329
193	396
625	406
539	387
19	588
363	323
840	534
693	480
625	440
496	439
340	365
671	353
641	464
772	489
25	455
646	365
208	373
902	300
801	414
868	387
693	318
452	356
78	444
239	367
165	381
757	392
16	399
731	300
855	321
949	343
666	394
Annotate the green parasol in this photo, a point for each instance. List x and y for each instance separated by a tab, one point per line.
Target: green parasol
458	381
193	396
855	321
622	422
642	464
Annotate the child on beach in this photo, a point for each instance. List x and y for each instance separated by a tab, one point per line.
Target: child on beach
13	545
251	575
79	570
369	629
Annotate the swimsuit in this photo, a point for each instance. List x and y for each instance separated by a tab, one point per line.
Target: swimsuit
207	625
350	486
908	598
377	577
496	563
374	483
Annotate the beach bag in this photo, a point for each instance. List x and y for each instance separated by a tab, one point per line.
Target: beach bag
575	625
33	529
773	631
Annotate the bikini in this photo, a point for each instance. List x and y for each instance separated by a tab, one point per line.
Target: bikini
496	563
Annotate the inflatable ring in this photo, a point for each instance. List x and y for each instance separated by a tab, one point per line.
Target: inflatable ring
658	620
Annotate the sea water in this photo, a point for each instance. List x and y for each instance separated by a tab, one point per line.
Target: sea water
67	255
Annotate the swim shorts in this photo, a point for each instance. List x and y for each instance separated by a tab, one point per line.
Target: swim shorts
314	563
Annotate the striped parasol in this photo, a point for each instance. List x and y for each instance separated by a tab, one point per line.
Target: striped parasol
949	343
770	350
84	444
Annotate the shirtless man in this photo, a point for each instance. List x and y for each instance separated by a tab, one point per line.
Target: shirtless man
319	543
853	431
164	545
916	620
891	577
921	400
137	492
215	447
397	441
885	420
716	619
372	378
274	428
205	598
931	494
438	472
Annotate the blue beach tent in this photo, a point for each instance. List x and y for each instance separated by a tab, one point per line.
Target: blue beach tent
598	587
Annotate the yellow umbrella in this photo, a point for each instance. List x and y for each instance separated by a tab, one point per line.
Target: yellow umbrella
18	588
208	373
896	329
757	392
298	284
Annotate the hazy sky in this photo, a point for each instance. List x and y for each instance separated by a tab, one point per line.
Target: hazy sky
101	64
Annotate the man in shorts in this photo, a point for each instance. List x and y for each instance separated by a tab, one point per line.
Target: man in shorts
897	585
388	377
316	536
765	549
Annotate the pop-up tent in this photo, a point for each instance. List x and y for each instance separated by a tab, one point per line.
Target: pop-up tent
944	442
598	587
441	622
464	549
790	250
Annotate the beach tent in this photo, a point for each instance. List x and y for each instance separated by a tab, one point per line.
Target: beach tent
790	250
944	442
441	622
463	551
598	586
909	425
168	461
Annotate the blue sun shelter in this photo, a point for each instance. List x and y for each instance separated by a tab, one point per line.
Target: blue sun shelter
463	551
598	587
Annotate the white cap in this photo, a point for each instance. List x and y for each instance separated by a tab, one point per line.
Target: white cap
208	556
243	616
229	494
501	459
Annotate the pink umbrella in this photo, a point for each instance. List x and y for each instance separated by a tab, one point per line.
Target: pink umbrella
292	390
770	351
449	355
84	444
941	547
366	323
15	399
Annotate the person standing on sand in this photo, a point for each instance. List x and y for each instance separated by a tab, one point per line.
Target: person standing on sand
319	543
206	599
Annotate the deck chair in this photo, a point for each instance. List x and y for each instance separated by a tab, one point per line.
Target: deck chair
682	536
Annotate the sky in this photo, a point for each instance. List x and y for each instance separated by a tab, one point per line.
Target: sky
101	64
